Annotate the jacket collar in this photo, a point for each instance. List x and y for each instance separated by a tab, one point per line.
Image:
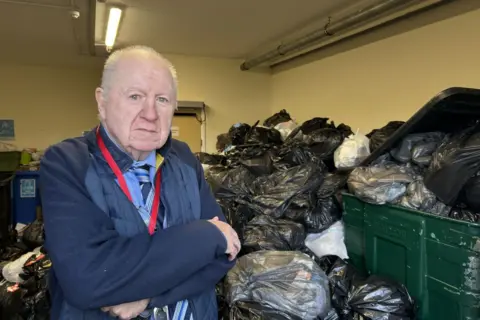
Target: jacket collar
121	157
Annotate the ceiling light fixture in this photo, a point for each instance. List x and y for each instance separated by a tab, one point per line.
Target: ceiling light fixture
112	27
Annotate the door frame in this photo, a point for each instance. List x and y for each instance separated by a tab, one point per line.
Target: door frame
197	109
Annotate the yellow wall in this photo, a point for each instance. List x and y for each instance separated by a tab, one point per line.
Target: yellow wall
49	104
385	80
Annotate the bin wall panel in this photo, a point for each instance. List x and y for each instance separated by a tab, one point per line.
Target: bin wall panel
437	258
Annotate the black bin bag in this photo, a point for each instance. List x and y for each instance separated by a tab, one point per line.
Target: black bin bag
259	165
375	298
237	215
453	164
238	132
265	233
248	310
279	117
273	194
326	212
379	136
211	159
229	183
472	193
288	282
261	135
418	148
33	235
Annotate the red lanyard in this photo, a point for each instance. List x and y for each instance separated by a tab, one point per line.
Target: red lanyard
123	183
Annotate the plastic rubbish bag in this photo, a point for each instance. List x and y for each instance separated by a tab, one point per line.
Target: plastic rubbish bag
279	117
353	150
37	265
464	214
286	128
379	184
223	141
33	235
13	252
11	301
372	298
228	183
326	212
262	135
238	133
328	243
260	165
237	215
291	156
379	136
273	194
472	193
266	233
12	271
324	142
380	298
222	304
418	148
284	281
453	164
248	310
314	124
418	197
332	183
211	159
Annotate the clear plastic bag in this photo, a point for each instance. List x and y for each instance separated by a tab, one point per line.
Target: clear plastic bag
328	243
286	128
353	150
12	271
380	184
418	197
285	281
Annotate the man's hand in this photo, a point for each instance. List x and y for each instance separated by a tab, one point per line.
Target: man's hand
127	311
233	243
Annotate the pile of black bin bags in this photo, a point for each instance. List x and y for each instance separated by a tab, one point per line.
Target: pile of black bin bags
24	266
433	172
278	186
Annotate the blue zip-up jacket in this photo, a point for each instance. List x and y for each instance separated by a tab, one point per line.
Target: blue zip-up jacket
100	248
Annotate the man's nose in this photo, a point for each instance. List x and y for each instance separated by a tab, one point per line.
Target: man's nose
149	111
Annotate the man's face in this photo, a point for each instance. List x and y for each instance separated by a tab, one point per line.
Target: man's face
139	105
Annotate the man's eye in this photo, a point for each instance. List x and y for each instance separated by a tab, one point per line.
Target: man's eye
162	99
135	97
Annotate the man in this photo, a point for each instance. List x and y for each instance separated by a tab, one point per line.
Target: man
130	223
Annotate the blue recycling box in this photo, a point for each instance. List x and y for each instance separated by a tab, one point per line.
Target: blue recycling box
26	197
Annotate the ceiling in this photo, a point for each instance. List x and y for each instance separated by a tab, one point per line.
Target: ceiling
213	28
32	30
45	31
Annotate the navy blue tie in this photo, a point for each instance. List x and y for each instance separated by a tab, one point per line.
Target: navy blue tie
143	176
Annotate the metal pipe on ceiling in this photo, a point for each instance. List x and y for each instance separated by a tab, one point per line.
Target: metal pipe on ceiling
364	15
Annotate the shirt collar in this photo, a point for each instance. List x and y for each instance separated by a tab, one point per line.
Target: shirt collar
121	157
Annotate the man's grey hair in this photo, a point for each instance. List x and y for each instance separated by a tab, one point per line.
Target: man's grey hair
145	52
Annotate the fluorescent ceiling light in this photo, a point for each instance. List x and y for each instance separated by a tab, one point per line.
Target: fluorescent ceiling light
112	26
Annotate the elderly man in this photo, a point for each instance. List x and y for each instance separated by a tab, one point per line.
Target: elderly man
131	225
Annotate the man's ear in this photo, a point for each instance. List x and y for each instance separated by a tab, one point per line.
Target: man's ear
99	96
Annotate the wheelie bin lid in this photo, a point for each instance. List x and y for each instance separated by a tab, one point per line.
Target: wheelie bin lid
450	110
